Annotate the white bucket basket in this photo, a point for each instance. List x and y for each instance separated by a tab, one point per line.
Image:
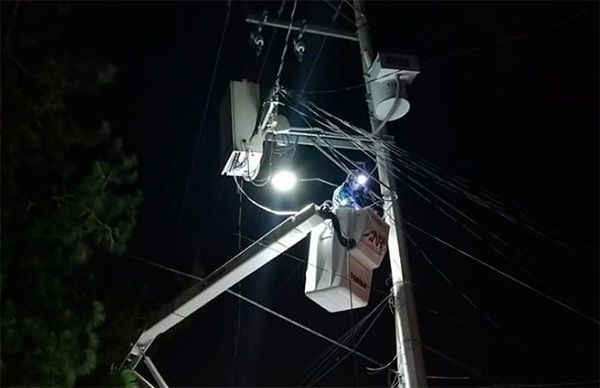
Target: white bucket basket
370	233
338	278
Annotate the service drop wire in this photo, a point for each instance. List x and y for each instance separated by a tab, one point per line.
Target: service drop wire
462	293
381	309
503	273
284	253
500	272
332	351
530	287
401	177
454	184
398	176
263	207
262	307
335	153
285	46
367	149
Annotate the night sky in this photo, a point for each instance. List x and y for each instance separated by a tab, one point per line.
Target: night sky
507	98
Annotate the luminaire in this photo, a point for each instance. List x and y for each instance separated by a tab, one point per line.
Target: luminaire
362	179
284	180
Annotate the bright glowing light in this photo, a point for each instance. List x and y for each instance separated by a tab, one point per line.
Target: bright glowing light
362	179
284	180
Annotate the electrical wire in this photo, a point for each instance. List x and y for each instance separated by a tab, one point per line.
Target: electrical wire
534	289
351	295
504	274
550	27
306	328
459	53
304	261
322	46
319	180
541	293
493	235
285	46
563	384
353	7
462	293
377	370
239	288
333	351
449	377
204	114
467	368
348	88
338	12
263	207
431	171
355	345
273	34
262	307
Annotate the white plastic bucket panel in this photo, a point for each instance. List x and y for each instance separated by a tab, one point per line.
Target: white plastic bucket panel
334	278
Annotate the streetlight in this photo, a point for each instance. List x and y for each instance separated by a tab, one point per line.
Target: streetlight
284	180
362	179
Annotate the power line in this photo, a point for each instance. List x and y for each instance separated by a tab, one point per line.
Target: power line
428	170
550	298
263	207
262	307
322	46
563	384
461	292
285	46
204	114
355	345
338	11
239	288
353	7
507	39
514	279
306	328
458	53
304	261
273	34
317	366
473	371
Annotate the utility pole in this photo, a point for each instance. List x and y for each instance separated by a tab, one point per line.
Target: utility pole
291	231
409	355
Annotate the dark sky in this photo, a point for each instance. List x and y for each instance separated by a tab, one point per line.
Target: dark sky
517	116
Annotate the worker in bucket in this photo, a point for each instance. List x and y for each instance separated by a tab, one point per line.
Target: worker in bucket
352	192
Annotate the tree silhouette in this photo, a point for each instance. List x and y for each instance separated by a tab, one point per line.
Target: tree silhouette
68	199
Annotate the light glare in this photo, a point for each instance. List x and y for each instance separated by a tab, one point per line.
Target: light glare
362	179
284	180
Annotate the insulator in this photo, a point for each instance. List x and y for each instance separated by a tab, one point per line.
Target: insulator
299	49
257	41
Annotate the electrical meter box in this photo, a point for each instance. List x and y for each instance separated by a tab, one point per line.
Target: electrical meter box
338	278
241	147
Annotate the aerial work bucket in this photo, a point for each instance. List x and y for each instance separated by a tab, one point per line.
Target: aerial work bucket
338	278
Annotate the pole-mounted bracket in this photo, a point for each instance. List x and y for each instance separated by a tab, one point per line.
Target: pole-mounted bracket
305	28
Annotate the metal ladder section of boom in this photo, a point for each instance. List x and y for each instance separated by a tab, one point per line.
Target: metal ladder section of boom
268	247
